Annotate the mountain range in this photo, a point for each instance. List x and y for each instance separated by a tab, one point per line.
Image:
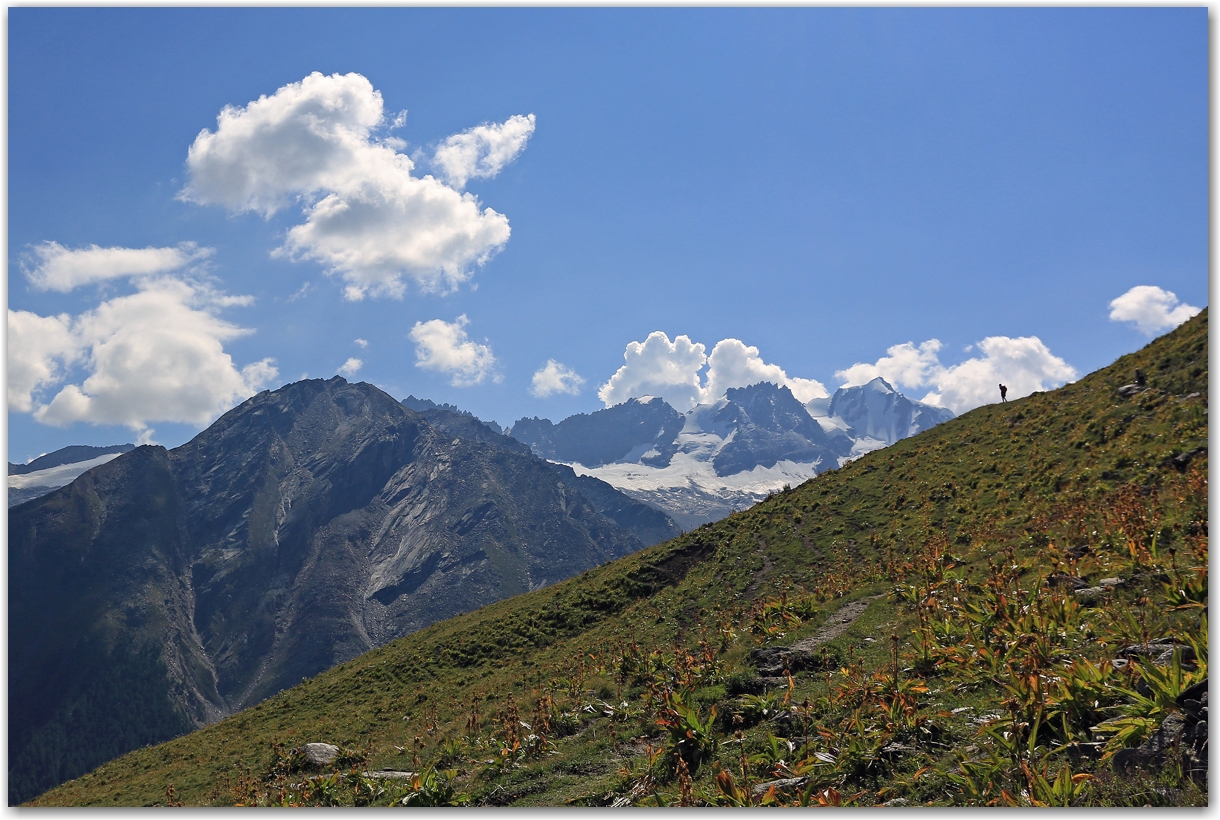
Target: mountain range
164	589
701	465
1008	609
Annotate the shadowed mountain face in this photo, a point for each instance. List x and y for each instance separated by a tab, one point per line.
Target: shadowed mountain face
644	430
643	521
303	528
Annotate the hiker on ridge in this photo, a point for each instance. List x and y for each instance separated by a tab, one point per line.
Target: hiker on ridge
1003	392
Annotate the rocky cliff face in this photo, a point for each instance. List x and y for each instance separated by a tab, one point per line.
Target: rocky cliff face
303	528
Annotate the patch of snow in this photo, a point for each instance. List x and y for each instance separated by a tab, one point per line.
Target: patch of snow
699	419
54	477
829	424
639	451
688	487
818	408
865	444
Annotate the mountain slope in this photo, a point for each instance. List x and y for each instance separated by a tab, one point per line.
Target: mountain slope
639	681
303	528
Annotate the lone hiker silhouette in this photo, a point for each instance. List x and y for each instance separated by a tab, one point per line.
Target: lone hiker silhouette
1003	392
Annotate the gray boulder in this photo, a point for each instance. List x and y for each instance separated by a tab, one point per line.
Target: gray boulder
320	755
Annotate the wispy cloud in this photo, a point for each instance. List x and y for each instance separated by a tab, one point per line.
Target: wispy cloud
51	266
483	151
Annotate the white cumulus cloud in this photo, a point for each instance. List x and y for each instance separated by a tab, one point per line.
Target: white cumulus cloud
675	372
553	378
735	364
51	266
445	347
1023	364
403	226
367	219
658	367
1152	309
38	349
906	364
484	150
350	368
154	355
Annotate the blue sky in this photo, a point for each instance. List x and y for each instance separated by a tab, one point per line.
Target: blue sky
833	189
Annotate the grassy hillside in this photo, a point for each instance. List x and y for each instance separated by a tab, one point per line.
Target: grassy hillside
975	675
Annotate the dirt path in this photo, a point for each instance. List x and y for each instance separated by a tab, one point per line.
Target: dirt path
837	625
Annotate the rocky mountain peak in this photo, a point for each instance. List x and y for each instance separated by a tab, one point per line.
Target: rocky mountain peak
304	527
879	412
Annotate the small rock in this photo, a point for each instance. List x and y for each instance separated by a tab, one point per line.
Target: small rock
897	801
1129	390
1063	579
1182	460
1111	582
1079	552
320	754
773	660
1193	700
781	785
1091	595
389	774
1160	652
786	721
